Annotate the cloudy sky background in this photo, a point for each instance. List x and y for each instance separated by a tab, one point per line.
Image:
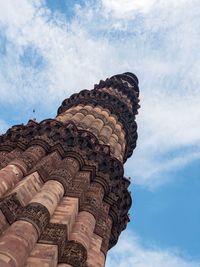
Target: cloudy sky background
50	49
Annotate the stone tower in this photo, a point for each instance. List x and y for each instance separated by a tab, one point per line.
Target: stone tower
63	197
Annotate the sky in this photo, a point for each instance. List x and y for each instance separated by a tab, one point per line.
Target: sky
51	49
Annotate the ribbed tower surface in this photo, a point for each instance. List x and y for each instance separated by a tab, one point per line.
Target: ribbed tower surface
64	199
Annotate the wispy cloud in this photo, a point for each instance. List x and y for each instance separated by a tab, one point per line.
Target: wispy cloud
47	56
127	8
130	252
44	58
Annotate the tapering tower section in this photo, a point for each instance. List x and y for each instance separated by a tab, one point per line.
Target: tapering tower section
64	198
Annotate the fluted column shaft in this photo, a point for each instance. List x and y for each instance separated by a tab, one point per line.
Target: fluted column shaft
20	238
6	157
17	243
9	176
50	195
83	229
18	168
95	258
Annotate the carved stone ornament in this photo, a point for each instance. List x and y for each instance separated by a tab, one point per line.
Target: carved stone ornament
83	146
74	254
92	199
75	151
132	92
69	141
37	214
55	234
7	157
11	207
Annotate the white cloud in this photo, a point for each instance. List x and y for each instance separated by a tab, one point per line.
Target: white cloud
129	252
168	137
73	59
159	41
3	126
127	8
161	46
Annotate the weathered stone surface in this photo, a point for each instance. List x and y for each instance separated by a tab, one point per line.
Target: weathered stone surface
16	244
80	184
28	158
37	214
28	188
42	206
83	229
113	103
93	199
6	157
95	257
49	196
101	123
11	207
43	255
62	182
64	265
9	176
74	254
66	213
55	234
3	223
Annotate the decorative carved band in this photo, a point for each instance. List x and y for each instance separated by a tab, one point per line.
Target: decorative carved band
37	214
39	217
5	158
11	207
74	254
129	80
69	141
57	234
92	199
114	82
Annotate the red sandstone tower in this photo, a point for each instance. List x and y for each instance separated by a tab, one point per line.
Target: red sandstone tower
63	197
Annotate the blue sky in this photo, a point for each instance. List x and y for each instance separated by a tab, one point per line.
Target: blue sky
50	49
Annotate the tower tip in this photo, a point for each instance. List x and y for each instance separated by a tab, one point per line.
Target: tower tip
130	78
